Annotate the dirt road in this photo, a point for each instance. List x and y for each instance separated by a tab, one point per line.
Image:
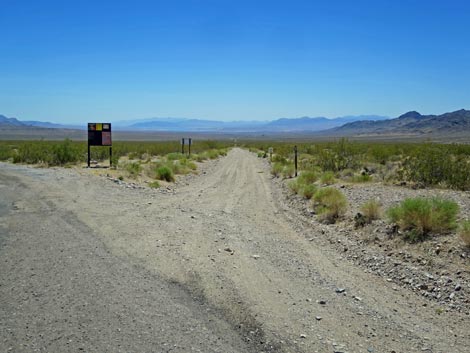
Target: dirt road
89	265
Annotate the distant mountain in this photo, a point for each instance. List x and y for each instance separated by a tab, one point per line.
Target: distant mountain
52	125
303	124
13	122
4	121
410	123
317	124
279	125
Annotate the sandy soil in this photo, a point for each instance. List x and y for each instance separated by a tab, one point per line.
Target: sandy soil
220	264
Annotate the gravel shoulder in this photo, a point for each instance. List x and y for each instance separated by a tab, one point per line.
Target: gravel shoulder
225	262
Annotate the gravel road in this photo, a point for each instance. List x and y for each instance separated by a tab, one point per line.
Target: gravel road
216	266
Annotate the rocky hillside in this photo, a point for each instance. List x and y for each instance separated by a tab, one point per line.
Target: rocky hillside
411	123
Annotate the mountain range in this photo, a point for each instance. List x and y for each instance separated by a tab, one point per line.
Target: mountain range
409	124
304	124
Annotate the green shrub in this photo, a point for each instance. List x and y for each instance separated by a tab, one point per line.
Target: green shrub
154	184
434	164
174	156
308	190
464	232
330	204
276	169
133	168
308	177
288	171
371	211
421	216
295	186
327	178
361	178
134	155
189	164
199	157
165	173
64	153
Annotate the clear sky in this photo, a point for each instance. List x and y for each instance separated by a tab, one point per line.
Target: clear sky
75	61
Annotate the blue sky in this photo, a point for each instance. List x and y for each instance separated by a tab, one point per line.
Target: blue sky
76	61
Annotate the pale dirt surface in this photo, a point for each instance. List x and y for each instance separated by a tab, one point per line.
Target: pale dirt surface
219	265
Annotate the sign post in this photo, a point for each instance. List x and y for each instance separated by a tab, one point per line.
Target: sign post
270	150
189	146
99	134
295	159
182	145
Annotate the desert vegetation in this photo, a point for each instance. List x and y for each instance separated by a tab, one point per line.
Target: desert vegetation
415	164
419	217
326	167
154	160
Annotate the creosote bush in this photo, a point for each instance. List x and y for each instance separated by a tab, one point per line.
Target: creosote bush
330	204
422	216
464	232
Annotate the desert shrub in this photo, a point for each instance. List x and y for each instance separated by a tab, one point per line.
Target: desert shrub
165	173
154	184
51	153
339	156
295	186
213	154
134	155
276	169
330	204
308	190
176	167
434	164
189	164
327	178
279	159
361	178
308	176
133	168
174	156
201	157
288	171
464	232
421	216
30	153
371	210
6	152
114	161
64	153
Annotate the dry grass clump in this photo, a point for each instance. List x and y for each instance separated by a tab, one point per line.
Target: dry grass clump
330	204
371	210
464	232
422	216
327	178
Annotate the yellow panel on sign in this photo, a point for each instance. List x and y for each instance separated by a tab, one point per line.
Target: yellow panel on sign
99	127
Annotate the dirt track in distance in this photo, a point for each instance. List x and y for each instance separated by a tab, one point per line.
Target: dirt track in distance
217	266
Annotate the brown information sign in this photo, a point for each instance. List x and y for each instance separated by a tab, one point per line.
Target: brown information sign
99	134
